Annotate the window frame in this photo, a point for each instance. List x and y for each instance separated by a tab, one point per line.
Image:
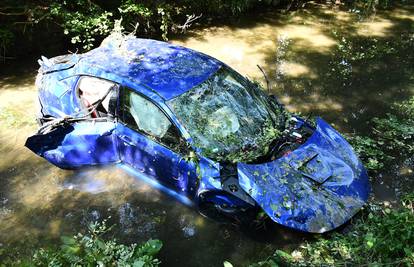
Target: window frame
76	89
185	149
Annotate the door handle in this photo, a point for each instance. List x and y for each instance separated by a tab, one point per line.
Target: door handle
127	140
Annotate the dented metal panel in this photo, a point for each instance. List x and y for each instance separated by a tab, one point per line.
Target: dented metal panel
76	145
58	63
316	188
168	69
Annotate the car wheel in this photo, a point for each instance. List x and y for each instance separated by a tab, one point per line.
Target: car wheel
215	212
221	212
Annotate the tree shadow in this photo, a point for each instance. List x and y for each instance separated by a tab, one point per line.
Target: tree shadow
371	82
54	202
18	74
333	64
372	85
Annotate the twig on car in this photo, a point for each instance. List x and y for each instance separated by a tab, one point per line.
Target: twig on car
187	24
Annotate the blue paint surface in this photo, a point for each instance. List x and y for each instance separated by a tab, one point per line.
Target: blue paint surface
77	145
316	188
168	69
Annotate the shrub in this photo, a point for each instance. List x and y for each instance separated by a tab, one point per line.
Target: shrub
393	136
92	250
383	236
86	22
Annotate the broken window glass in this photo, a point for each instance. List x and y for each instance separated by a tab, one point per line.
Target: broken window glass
229	118
91	90
142	115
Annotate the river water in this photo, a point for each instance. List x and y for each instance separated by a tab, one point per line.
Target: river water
318	61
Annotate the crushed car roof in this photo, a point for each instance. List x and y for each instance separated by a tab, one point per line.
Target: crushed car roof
169	70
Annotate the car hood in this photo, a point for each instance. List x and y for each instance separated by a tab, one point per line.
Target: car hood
316	188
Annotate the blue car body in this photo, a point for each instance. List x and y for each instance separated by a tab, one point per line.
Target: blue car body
315	188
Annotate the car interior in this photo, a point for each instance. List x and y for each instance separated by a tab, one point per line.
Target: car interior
95	95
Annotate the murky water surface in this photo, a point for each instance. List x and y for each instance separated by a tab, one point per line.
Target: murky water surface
305	56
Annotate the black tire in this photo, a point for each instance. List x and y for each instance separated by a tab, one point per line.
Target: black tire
233	215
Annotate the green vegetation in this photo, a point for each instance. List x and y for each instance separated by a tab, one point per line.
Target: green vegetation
14	118
230	131
370	6
87	22
392	137
91	249
382	236
82	25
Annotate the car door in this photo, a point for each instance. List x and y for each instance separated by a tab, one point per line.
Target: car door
150	143
75	145
78	140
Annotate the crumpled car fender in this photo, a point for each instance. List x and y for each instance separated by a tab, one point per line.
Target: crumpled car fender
316	188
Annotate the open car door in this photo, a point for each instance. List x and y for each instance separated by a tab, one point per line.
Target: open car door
73	145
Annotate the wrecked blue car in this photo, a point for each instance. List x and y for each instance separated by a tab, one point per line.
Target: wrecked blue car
194	125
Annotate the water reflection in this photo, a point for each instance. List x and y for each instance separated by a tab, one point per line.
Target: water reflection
82	183
39	202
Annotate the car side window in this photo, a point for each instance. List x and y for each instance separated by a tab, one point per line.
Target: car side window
93	91
142	115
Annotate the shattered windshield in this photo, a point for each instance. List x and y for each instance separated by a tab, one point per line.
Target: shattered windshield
229	118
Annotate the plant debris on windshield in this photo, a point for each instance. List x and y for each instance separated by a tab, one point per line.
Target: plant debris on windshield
228	119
